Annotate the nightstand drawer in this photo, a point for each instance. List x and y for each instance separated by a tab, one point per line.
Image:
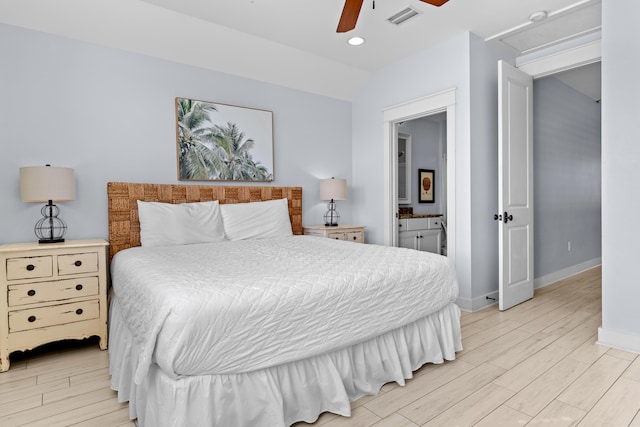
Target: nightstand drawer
29	267
349	233
336	235
355	236
77	263
30	293
22	320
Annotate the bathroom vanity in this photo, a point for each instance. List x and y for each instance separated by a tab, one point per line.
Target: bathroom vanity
420	232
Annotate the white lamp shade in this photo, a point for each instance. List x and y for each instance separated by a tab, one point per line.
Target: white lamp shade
333	188
44	183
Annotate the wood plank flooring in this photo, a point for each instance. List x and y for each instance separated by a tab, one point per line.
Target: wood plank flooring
536	364
61	384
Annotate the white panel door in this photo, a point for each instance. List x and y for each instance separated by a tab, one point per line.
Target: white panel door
515	185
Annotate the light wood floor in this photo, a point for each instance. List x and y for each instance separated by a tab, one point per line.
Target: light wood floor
536	364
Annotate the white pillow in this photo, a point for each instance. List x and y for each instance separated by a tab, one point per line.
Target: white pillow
256	220
164	224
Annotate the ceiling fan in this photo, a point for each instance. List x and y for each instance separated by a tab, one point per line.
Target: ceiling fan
352	8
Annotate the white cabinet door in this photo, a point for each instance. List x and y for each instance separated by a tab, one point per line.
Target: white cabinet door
429	241
408	239
423	240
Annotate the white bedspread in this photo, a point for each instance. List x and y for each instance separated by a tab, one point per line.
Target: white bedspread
234	307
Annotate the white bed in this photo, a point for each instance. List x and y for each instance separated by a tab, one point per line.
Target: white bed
270	331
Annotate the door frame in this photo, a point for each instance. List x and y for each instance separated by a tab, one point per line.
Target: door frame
556	62
444	101
561	61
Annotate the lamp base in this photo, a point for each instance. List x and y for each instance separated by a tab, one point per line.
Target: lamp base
50	228
51	241
332	216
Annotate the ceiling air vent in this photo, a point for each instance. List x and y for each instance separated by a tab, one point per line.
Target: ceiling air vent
403	16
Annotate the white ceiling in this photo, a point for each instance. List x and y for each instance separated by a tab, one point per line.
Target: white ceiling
294	42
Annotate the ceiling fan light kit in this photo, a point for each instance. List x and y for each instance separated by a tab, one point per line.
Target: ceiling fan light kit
351	11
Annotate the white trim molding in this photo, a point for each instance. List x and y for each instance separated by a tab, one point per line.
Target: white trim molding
564	60
620	340
487	300
541	282
444	101
477	304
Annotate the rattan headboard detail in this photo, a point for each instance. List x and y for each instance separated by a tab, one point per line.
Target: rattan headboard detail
124	225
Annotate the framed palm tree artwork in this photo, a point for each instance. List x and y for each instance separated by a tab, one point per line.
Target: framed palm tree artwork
220	142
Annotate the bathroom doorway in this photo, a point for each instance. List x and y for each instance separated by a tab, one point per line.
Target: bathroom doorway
439	103
422	201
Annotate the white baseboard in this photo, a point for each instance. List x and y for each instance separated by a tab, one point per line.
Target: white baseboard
479	303
543	281
619	340
482	302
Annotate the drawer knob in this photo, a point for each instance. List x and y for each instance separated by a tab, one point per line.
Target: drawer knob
31	292
77	263
79	311
31	267
31	319
78	287
355	238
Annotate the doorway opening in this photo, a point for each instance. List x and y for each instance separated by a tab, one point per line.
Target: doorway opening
442	103
566	170
567	157
422	183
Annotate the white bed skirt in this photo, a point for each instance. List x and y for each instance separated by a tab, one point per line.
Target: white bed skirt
280	395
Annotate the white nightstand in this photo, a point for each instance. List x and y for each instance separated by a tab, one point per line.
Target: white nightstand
52	292
351	233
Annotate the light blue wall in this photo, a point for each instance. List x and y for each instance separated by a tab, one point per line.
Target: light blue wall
468	64
620	171
442	67
110	115
567	189
484	166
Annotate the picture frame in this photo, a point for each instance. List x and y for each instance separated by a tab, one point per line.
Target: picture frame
222	142
426	186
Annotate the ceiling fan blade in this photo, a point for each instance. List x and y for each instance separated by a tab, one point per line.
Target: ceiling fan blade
349	16
435	2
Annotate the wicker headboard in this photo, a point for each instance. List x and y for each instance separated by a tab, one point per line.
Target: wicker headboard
124	224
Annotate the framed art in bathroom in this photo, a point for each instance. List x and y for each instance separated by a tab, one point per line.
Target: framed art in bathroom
426	185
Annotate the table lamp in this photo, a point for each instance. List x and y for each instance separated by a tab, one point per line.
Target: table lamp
332	189
48	184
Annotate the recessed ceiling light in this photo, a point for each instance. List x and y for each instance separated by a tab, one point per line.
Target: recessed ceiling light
538	16
355	41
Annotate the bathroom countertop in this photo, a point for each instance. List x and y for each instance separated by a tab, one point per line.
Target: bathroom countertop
403	216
